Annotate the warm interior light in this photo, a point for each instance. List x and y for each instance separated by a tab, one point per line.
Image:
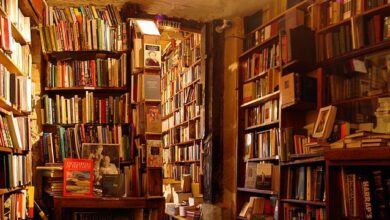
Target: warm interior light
148	27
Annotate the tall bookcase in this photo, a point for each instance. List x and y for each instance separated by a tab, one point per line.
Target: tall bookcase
15	106
326	179
181	93
88	98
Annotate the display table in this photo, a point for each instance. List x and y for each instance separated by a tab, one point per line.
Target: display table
61	202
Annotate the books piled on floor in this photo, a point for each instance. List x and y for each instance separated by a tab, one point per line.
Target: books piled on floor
363	139
87	109
108	72
83	28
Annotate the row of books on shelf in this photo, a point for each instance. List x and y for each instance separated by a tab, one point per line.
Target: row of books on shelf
16	16
365	194
265	113
353	35
15	170
172	86
15	132
83	28
262	144
333	12
263	176
182	134
291	212
18	205
87	109
261	87
260	36
17	90
55	15
22	58
182	53
259	62
306	183
260	208
183	108
93	34
342	88
108	72
67	142
176	172
182	154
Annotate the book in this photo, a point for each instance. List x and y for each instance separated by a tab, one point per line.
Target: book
250	175
152	56
297	88
78	177
154	153
264	176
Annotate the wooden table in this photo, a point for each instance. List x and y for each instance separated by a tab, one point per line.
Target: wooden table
61	202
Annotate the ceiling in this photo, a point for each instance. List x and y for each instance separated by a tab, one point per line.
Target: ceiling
200	10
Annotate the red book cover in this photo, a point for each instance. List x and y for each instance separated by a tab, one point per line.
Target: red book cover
93	72
103	114
78	177
377	28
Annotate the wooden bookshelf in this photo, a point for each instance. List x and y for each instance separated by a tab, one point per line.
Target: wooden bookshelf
372	153
273	158
263	126
88	88
9	64
261	100
29	10
260	45
83	54
304	161
304	202
8	107
257	191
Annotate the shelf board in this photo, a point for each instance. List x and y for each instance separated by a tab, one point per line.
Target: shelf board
152	101
305	202
274	158
304	161
360	99
29	10
257	191
197	62
186	162
262	126
5	150
367	153
241	218
83	54
301	5
187	142
7	191
258	46
17	35
87	88
357	52
372	11
304	156
258	76
8	107
261	100
86	124
191	84
9	64
300	105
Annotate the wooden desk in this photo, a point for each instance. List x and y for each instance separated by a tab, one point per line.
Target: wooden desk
61	202
174	217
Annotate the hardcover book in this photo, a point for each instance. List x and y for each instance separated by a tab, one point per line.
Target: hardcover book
154	153
78	177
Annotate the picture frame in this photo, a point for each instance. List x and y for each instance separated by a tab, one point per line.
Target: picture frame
324	123
105	157
152	56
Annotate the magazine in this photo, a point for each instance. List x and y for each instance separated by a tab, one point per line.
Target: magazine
78	176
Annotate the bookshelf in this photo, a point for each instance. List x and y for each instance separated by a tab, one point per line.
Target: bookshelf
181	104
15	107
345	36
87	98
266	117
